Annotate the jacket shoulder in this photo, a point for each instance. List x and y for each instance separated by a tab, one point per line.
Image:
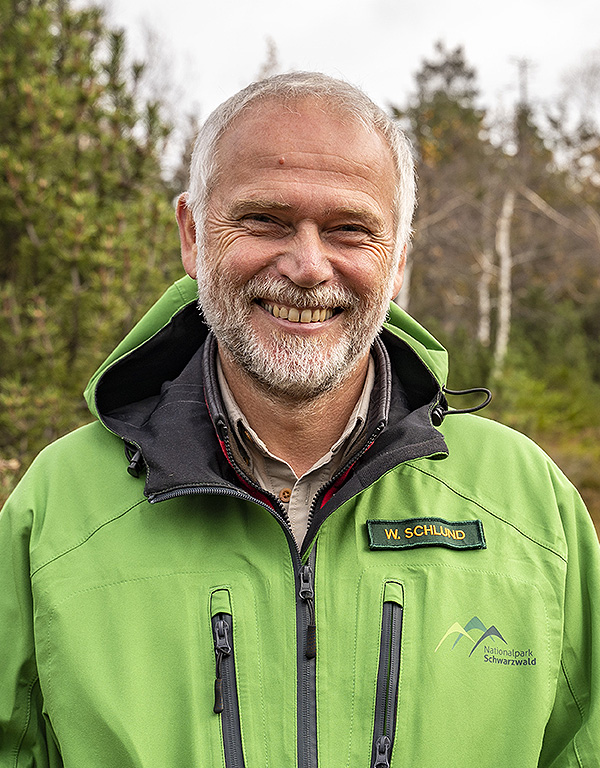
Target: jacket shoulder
73	487
512	478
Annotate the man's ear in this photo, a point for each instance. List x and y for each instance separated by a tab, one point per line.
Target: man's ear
187	235
399	276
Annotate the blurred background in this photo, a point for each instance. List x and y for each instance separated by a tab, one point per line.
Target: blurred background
100	104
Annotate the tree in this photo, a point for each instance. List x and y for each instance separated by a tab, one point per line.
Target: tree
454	237
87	234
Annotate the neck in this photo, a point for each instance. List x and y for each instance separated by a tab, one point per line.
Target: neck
298	431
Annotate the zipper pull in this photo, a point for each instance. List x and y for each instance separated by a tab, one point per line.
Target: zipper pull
382	752
222	648
307	593
136	460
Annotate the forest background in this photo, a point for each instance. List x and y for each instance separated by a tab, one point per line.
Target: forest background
504	267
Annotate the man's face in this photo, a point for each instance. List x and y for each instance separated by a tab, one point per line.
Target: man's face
297	266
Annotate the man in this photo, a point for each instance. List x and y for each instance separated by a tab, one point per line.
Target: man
307	564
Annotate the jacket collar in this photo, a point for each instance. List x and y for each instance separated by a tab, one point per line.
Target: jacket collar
163	399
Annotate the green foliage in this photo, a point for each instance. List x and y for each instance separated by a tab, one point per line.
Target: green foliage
87	233
443	118
548	382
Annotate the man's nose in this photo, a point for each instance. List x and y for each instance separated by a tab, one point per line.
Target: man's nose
306	259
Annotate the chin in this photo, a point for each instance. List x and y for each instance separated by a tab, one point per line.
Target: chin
297	367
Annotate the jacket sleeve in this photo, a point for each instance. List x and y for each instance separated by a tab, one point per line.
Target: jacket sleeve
23	727
572	737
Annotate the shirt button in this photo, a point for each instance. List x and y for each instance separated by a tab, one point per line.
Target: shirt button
285	494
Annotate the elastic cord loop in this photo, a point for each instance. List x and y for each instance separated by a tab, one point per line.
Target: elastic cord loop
474	390
439	413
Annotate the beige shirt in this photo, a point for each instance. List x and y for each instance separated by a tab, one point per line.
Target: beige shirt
275	474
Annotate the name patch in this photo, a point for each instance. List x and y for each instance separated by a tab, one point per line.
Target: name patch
425	532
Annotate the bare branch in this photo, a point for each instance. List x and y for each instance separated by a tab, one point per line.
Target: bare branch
553	214
441	213
595	219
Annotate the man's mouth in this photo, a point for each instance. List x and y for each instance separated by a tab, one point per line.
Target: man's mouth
296	315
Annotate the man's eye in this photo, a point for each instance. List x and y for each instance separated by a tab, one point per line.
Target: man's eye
261	223
260	217
350	231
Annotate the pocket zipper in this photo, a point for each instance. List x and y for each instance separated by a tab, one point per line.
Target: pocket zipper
388	675
226	699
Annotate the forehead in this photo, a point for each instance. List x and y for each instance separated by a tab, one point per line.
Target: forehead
305	140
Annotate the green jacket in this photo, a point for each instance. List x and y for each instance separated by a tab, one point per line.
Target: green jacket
439	613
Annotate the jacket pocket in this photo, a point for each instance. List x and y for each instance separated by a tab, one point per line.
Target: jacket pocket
226	699
388	675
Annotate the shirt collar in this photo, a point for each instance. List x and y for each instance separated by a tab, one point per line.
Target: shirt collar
252	442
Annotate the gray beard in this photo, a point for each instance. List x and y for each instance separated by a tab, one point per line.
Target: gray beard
286	365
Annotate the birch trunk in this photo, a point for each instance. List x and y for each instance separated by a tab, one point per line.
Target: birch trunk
504	280
403	298
484	298
486	267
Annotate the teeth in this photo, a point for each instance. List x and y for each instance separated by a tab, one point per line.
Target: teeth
298	316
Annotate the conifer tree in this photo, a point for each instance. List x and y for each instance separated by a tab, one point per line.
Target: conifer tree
87	233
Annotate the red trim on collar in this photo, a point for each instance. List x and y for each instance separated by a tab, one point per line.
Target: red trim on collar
254	492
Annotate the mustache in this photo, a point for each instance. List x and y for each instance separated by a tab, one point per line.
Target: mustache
284	292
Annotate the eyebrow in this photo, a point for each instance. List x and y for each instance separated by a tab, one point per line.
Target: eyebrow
241	207
265	205
362	214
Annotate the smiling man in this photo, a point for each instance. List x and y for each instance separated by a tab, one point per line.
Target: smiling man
276	544
297	264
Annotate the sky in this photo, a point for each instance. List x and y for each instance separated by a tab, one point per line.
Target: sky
206	51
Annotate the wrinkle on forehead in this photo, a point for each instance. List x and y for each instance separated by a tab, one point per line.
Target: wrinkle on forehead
302	134
303	158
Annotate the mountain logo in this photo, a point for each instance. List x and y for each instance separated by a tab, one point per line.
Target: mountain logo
466	632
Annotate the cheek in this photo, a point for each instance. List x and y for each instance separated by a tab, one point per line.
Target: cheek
219	242
233	251
370	272
233	254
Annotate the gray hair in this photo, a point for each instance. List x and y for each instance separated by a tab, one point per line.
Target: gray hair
346	98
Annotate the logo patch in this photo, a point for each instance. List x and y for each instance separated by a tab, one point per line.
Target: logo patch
491	650
425	532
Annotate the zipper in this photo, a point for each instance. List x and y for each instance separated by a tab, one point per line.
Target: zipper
216	490
350	463
307	651
307	594
305	621
226	703
388	675
305	610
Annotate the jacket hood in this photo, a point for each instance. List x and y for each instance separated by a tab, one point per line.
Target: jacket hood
182	293
428	348
181	298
